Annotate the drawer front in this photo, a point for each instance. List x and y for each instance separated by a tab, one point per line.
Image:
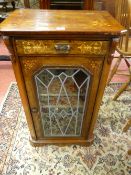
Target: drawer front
55	47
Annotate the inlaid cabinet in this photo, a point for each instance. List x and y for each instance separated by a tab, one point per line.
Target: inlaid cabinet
61	67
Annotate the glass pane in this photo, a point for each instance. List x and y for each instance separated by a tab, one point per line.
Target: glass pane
62	96
15	3
34	4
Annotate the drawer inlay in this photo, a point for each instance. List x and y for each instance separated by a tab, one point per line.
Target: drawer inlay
48	47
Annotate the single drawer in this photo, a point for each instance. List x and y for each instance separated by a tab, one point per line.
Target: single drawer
55	47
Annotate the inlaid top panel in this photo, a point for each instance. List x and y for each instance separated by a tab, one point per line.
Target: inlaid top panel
35	21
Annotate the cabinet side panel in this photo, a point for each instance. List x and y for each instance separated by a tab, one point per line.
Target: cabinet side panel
22	90
101	88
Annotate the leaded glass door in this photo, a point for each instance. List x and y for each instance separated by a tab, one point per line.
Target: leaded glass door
62	99
61	93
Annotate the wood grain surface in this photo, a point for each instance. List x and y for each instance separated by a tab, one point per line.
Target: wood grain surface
34	21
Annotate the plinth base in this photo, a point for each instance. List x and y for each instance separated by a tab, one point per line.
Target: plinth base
38	143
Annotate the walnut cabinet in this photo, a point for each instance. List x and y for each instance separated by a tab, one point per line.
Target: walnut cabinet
61	61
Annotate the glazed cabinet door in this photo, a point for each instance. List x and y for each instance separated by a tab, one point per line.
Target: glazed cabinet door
61	92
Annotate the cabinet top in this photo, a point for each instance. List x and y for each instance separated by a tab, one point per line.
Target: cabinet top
40	22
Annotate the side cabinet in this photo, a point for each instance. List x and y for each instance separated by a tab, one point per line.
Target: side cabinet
61	60
61	80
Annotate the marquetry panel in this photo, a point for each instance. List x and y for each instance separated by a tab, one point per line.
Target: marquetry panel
30	65
30	47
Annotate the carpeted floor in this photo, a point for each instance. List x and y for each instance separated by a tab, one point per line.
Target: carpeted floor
9	114
107	156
